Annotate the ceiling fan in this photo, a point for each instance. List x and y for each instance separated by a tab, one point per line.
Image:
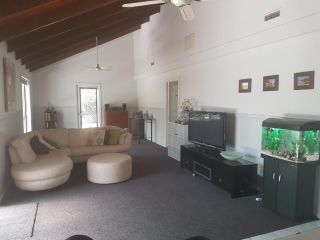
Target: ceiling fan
98	67
184	6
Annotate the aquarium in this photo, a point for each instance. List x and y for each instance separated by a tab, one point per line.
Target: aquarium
291	139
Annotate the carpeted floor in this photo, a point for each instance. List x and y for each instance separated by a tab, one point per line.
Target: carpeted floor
17	221
160	202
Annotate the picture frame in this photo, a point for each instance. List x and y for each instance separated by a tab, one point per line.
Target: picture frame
304	80
245	85
271	83
9	85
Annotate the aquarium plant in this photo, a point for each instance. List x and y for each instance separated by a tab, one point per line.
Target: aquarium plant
291	139
291	145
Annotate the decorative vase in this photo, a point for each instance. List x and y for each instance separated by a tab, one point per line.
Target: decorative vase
184	117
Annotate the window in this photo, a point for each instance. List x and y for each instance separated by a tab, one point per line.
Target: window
89	110
26	105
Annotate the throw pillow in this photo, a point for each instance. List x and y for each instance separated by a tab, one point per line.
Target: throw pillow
45	143
114	136
97	137
37	146
52	143
106	137
122	138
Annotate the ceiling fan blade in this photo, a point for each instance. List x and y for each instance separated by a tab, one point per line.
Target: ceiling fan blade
187	12
139	4
106	68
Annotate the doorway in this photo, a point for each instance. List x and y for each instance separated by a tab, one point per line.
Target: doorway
89	106
26	105
173	101
172	113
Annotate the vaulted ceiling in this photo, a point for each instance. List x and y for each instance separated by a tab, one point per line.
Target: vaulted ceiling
42	32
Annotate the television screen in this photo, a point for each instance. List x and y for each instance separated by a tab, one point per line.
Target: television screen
207	129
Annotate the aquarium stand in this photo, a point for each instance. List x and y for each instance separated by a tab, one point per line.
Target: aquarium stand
288	187
237	177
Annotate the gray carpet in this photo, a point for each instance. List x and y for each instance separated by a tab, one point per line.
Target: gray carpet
161	202
16	222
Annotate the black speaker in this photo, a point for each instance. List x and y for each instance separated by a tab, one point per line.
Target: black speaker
198	238
79	237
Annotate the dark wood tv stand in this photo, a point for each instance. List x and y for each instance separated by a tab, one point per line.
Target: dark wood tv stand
237	177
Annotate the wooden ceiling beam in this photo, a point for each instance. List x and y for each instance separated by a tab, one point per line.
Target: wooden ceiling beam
40	34
87	42
52	46
80	28
78	49
26	21
11	7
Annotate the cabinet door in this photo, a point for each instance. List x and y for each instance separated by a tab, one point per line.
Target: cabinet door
287	189
270	174
222	175
187	158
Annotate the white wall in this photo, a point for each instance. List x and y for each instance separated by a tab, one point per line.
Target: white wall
10	123
232	42
56	83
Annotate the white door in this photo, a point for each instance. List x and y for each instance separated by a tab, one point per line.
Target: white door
26	105
89	106
172	115
173	101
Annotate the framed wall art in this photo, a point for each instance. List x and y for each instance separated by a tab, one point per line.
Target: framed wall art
271	83
9	85
304	80
245	85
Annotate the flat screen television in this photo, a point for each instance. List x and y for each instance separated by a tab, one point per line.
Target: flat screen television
207	129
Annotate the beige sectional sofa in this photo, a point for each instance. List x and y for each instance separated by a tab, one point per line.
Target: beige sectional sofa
39	172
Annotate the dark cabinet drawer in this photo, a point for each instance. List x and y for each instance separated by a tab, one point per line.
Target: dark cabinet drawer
214	168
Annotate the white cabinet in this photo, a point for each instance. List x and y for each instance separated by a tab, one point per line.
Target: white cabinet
177	136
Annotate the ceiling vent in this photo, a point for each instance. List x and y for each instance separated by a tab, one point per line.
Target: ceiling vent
271	16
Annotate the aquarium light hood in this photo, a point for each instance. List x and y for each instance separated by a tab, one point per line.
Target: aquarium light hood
292	124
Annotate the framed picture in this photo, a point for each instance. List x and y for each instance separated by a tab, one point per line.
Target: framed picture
9	85
271	83
245	85
304	80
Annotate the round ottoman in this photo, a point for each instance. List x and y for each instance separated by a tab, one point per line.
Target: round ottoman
109	168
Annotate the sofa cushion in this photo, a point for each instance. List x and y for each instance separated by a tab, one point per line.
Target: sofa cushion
37	146
14	157
59	136
79	137
97	137
122	138
52	143
46	143
22	146
110	127
113	137
128	139
63	150
44	167
42	184
91	150
106	137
